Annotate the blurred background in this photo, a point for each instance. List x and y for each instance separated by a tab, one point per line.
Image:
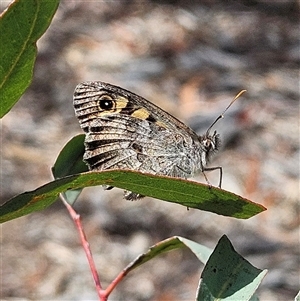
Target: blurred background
190	58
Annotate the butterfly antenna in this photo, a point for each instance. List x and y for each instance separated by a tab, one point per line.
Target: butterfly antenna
222	115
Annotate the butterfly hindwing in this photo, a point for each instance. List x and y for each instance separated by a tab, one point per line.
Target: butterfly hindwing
124	143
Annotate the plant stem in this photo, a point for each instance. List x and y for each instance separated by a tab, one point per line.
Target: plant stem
86	246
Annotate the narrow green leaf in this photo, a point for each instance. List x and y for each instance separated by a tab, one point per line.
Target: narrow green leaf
187	193
172	243
297	298
69	162
21	25
228	276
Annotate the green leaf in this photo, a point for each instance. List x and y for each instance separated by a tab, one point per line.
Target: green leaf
21	25
222	254
172	243
228	276
187	193
69	162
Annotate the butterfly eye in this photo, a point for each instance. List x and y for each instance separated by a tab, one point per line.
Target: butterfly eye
207	143
106	102
211	144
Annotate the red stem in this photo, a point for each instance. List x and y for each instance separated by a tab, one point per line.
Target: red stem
114	283
86	246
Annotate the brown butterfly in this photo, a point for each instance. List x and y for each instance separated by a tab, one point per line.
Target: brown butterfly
126	131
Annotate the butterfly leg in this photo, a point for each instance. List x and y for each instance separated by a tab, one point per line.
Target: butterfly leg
210	169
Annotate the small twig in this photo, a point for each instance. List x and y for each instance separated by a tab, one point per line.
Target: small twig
86	246
116	281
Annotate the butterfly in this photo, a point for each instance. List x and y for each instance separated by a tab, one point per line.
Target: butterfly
126	131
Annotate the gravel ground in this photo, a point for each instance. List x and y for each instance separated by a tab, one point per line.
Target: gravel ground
190	58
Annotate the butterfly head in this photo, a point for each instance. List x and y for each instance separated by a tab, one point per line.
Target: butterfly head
211	144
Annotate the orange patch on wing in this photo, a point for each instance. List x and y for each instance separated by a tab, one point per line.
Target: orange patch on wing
121	103
141	114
